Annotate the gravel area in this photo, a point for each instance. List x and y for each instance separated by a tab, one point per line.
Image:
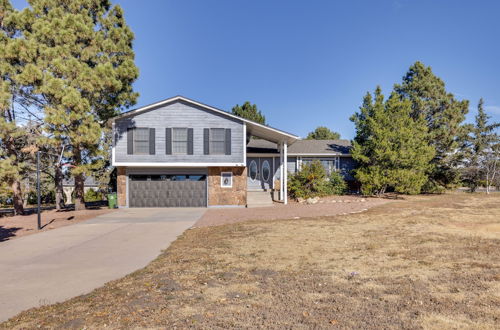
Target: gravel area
21	225
328	206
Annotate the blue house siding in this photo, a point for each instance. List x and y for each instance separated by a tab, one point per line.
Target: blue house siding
179	114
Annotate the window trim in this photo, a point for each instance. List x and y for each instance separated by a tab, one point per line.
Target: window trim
172	140
222	179
134	140
210	140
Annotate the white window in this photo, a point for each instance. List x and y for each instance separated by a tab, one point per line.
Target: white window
141	141
180	141
226	179
217	141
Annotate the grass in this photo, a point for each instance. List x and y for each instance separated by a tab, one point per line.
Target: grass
423	262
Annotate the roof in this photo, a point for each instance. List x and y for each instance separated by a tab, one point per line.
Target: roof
303	147
89	182
253	128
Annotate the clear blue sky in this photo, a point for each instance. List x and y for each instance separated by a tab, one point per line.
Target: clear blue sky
309	63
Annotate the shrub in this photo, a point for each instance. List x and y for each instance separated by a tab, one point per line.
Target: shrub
312	181
93	196
338	185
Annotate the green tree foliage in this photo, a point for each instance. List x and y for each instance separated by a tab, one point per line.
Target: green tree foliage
390	146
312	181
85	69
323	133
16	71
249	111
444	116
481	151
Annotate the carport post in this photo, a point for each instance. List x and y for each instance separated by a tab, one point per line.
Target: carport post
285	173
281	171
39	226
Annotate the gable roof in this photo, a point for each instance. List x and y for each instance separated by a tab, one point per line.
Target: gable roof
303	147
253	127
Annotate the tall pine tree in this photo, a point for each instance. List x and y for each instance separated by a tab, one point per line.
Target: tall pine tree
481	152
249	111
444	116
86	61
17	73
323	133
390	146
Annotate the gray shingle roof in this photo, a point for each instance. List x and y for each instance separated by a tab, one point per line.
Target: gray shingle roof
317	147
89	182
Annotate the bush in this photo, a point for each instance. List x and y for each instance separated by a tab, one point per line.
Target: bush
338	185
93	196
312	181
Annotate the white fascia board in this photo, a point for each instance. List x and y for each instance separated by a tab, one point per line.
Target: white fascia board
158	164
319	155
181	98
256	154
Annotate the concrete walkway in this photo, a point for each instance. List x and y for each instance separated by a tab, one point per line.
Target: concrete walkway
56	265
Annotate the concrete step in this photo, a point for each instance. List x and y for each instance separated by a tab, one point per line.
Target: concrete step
259	199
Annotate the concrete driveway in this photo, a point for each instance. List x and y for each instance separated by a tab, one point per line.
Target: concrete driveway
55	265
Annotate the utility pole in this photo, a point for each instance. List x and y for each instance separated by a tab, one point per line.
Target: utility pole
38	189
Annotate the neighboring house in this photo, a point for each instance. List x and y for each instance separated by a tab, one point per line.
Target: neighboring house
180	153
69	187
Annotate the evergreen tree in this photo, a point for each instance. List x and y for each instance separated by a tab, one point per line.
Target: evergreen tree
481	152
444	116
249	111
16	72
323	133
86	64
390	146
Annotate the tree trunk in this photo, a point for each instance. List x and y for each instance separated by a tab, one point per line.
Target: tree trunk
18	197
79	192
58	181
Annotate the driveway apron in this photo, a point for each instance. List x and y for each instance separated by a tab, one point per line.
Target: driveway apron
56	265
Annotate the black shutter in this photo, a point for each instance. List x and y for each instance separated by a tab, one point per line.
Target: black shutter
151	141
206	141
190	141
228	141
130	141
168	141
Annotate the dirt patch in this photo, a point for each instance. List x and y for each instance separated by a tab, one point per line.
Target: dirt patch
21	225
330	206
399	265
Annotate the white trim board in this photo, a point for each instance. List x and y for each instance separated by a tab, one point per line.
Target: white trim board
158	164
222	112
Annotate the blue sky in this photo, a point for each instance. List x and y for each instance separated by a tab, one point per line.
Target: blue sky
309	63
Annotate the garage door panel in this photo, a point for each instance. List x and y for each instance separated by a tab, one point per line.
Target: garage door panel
166	193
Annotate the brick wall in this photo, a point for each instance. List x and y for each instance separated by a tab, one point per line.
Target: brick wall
121	186
237	195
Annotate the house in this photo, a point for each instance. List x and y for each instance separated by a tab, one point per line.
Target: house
182	153
69	187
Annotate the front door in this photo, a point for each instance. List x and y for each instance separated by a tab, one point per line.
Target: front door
259	173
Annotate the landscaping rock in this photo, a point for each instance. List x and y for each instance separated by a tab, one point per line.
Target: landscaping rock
312	200
301	200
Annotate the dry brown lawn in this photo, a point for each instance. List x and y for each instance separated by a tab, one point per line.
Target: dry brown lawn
422	262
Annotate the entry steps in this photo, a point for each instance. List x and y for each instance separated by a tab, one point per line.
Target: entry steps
259	198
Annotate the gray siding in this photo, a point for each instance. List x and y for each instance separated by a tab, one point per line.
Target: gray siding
291	164
179	114
347	164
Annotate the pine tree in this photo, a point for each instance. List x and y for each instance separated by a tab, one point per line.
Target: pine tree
323	133
85	57
444	116
390	146
481	152
16	72
249	111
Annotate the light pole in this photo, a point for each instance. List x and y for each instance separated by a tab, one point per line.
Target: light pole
39	218
38	197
